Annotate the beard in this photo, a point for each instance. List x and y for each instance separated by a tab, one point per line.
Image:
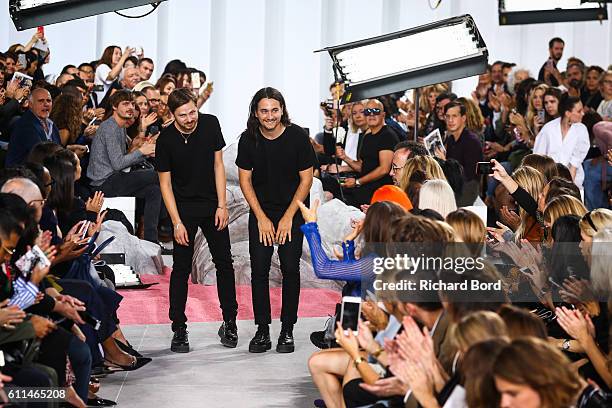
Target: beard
575	83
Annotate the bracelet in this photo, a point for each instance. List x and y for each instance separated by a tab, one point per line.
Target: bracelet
177	225
378	352
358	361
222	208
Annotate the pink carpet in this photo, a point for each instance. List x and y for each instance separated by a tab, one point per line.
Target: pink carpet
150	306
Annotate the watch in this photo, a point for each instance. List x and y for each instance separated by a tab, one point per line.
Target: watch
357	182
566	345
358	361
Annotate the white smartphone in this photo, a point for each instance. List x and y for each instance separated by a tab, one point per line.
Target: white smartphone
83	229
349	315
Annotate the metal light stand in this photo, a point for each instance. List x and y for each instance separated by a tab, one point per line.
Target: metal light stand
416	114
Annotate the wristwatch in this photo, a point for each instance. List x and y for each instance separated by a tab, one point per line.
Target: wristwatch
357	182
566	345
358	361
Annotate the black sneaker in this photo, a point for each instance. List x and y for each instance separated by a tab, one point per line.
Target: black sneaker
261	342
180	341
285	341
229	333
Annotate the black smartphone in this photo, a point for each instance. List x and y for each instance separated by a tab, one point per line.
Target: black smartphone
484	168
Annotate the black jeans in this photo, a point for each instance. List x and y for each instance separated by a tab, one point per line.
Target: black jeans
140	184
261	257
220	249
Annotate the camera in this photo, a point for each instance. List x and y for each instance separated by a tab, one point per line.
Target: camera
484	168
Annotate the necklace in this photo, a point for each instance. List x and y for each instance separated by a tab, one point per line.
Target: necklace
185	136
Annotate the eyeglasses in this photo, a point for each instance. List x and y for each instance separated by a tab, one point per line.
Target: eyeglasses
371	111
395	168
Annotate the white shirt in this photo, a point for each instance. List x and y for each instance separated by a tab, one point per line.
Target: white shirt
350	147
101	79
605	109
570	151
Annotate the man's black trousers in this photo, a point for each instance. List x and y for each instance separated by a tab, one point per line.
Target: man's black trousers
220	249
289	254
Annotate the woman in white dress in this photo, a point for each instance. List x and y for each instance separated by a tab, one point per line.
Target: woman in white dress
566	139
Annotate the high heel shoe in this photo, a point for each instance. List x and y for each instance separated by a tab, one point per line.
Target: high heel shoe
137	363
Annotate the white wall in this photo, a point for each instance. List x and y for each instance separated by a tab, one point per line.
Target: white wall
243	45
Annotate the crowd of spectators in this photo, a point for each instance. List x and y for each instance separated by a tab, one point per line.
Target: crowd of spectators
534	154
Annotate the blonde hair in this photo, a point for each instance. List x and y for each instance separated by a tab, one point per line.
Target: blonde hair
467	226
476	327
426	91
437	195
601	278
427	164
601	219
533	182
474	118
563	205
531	112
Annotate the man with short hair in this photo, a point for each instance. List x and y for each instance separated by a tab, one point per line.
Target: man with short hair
77	88
145	68
549	73
403	151
375	156
153	97
86	72
574	77
193	185
130	78
33	127
29	191
70	69
441	101
465	147
110	163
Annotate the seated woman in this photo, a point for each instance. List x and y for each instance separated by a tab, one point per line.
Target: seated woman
102	301
375	228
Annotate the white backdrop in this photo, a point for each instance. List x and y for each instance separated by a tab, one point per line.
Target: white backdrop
244	45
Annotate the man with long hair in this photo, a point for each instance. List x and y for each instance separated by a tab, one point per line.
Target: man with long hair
275	161
192	181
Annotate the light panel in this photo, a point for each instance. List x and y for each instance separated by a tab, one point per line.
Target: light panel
437	52
518	12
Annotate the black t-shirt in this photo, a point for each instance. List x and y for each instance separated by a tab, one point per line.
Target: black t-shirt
276	165
371	145
192	164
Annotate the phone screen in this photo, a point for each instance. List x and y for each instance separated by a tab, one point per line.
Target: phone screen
350	316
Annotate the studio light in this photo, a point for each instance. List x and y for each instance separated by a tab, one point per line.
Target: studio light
437	52
33	13
513	12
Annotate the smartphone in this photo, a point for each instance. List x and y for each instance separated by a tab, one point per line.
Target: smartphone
349	315
21	59
98	88
541	114
83	229
195	80
41	30
484	168
91	122
153	130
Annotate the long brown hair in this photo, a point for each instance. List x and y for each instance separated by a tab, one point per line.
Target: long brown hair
253	122
107	56
535	363
67	114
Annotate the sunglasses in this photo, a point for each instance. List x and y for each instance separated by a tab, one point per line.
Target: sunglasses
371	111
